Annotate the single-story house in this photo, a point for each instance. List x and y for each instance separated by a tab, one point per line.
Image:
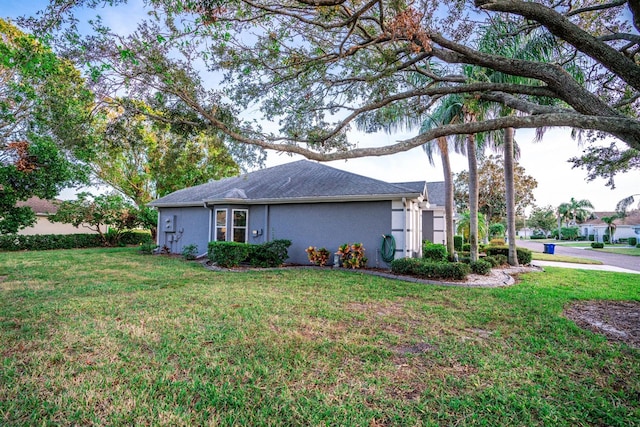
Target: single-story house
43	208
626	227
309	203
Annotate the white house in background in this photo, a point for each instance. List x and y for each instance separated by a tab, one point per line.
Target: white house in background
626	227
44	208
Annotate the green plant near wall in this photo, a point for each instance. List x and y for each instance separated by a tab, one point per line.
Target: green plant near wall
190	252
434	251
352	255
457	242
318	256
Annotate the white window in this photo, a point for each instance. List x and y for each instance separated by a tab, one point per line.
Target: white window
221	225
239	226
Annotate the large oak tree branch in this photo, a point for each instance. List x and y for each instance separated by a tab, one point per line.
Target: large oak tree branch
563	28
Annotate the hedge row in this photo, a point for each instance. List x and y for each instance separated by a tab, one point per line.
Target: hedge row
524	255
232	254
430	270
41	242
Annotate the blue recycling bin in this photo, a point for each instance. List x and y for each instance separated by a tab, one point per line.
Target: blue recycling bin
549	248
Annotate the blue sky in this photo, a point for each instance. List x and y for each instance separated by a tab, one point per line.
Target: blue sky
546	161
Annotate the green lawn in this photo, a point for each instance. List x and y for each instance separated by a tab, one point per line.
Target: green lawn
620	249
563	258
110	337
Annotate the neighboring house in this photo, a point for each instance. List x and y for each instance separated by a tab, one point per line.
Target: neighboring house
526	232
309	203
44	208
626	227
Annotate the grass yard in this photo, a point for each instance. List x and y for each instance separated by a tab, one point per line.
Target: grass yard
620	249
110	337
563	258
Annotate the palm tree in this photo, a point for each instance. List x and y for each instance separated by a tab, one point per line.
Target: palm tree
447	112
575	211
610	225
464	225
504	38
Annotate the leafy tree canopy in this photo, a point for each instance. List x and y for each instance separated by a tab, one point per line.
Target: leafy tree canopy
44	116
145	159
297	74
491	189
110	211
542	218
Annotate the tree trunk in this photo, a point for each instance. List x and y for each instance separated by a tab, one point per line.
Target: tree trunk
510	195
448	190
473	196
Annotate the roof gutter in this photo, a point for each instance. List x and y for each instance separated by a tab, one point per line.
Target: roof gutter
317	199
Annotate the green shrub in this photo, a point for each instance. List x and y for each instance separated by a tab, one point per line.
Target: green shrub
135	237
536	236
434	251
40	242
228	254
457	242
499	259
269	254
637	245
480	267
605	238
524	255
633	241
496	242
148	246
232	254
492	260
568	233
430	270
592	237
597	245
190	252
466	247
465	259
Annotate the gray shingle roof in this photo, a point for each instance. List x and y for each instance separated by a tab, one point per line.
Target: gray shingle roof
40	206
436	193
300	181
435	190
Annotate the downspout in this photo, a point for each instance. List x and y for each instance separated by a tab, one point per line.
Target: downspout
266	223
210	229
210	220
404	224
158	228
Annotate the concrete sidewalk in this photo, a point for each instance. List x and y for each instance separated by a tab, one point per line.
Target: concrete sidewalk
597	267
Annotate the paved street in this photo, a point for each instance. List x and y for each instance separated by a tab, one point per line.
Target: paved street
627	262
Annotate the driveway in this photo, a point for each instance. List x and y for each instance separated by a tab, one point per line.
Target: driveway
628	262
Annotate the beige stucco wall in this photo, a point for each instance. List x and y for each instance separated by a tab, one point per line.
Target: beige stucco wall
44	226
